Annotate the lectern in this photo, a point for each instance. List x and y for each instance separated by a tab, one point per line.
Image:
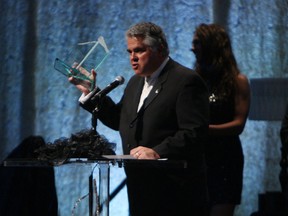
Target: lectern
99	206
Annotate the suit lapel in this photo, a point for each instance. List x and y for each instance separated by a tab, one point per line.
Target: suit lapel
152	95
156	90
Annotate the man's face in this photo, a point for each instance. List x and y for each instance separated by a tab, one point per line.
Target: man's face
143	59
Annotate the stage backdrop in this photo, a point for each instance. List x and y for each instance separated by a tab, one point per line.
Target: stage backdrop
38	100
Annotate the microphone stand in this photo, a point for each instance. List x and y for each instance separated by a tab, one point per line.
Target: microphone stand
96	99
94	120
95	117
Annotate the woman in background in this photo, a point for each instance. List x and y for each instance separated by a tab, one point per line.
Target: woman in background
229	97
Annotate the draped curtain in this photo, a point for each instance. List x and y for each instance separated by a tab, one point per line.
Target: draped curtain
37	100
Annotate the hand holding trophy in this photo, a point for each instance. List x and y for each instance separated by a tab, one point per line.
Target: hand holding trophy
87	81
83	58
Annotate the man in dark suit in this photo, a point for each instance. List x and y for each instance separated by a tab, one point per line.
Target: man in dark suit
162	114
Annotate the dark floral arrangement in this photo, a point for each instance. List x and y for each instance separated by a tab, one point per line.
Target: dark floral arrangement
84	144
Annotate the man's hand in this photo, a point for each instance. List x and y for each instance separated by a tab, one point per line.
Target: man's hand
141	152
84	85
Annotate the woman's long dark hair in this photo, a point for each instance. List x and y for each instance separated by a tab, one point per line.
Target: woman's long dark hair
217	65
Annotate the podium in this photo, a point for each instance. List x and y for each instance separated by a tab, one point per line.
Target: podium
98	206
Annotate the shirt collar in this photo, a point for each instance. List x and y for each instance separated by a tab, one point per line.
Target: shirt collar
155	75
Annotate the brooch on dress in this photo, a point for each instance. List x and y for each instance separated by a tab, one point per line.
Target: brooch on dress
212	98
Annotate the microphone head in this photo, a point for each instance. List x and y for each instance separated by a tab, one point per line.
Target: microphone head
120	79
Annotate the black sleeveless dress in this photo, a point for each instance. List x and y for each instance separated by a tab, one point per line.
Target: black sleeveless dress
224	157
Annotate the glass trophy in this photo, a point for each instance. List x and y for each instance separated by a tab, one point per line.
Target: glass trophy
82	59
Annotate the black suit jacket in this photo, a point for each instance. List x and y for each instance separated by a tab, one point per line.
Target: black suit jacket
174	122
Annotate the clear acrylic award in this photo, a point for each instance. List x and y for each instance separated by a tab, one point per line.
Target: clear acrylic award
82	59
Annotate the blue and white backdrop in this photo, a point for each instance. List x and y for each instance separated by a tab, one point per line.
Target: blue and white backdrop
38	100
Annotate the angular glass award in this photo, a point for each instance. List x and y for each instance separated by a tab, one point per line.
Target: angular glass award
82	59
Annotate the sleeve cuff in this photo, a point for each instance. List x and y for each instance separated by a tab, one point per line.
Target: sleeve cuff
83	98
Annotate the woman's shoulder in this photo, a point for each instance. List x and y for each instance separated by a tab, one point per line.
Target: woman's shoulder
243	83
242	79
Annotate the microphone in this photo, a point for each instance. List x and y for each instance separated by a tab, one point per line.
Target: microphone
119	80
